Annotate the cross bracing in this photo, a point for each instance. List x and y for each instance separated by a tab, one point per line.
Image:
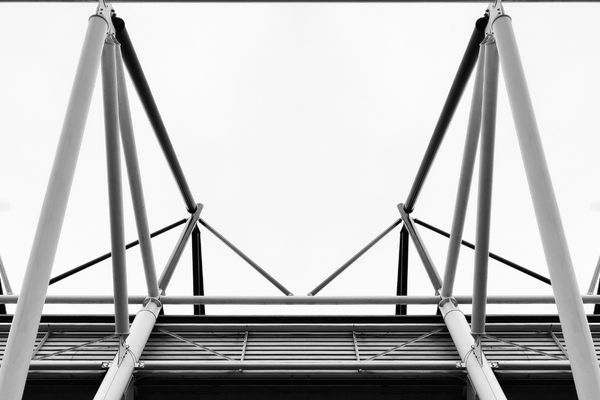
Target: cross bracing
492	45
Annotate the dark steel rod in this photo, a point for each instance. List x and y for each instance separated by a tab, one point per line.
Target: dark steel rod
402	286
143	89
493	256
106	256
430	268
250	262
173	261
2	306
354	258
597	306
456	90
197	273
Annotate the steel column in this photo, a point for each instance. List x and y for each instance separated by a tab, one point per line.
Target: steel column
143	89
115	189
481	375
484	200
402	286
464	181
456	90
117	377
430	268
197	273
135	180
23	331
564	283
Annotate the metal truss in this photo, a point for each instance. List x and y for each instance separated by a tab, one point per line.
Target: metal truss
109	49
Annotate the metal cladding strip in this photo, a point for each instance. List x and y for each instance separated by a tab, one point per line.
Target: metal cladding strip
456	90
135	179
119	373
582	355
21	339
480	373
115	188
484	196
464	182
143	89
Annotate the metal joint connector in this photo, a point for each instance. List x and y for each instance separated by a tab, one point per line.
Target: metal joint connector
155	300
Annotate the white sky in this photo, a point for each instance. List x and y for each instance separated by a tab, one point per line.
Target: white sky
299	127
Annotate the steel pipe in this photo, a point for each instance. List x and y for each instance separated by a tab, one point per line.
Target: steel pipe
106	256
493	256
595	276
465	178
165	276
352	259
135	179
480	374
4	277
582	355
119	373
115	189
299	300
21	338
402	284
484	199
244	257
456	90
430	268
197	272
143	89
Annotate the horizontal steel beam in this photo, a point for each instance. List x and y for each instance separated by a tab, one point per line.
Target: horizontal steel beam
562	365
300	300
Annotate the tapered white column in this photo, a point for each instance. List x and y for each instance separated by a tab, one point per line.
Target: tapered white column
480	373
135	179
582	354
115	188
119	373
23	331
484	198
464	181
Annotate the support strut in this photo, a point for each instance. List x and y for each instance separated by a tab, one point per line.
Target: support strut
456	90
143	89
23	330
